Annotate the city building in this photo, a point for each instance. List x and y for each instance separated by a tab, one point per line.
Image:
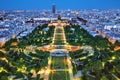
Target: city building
53	8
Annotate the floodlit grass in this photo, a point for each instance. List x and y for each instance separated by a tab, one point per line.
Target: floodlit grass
59	37
59	75
59	30
59	63
59	42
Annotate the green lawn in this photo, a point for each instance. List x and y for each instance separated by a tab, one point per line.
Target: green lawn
59	30
59	63
59	75
59	37
59	42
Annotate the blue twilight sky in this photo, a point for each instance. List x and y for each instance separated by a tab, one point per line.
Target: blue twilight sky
60	4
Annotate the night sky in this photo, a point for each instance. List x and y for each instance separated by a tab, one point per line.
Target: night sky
60	4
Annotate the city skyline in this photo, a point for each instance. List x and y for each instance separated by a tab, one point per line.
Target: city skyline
59	40
46	4
46	45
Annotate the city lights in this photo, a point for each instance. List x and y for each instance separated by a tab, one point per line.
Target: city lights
58	43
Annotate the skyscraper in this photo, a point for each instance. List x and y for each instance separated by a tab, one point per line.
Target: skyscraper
53	8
